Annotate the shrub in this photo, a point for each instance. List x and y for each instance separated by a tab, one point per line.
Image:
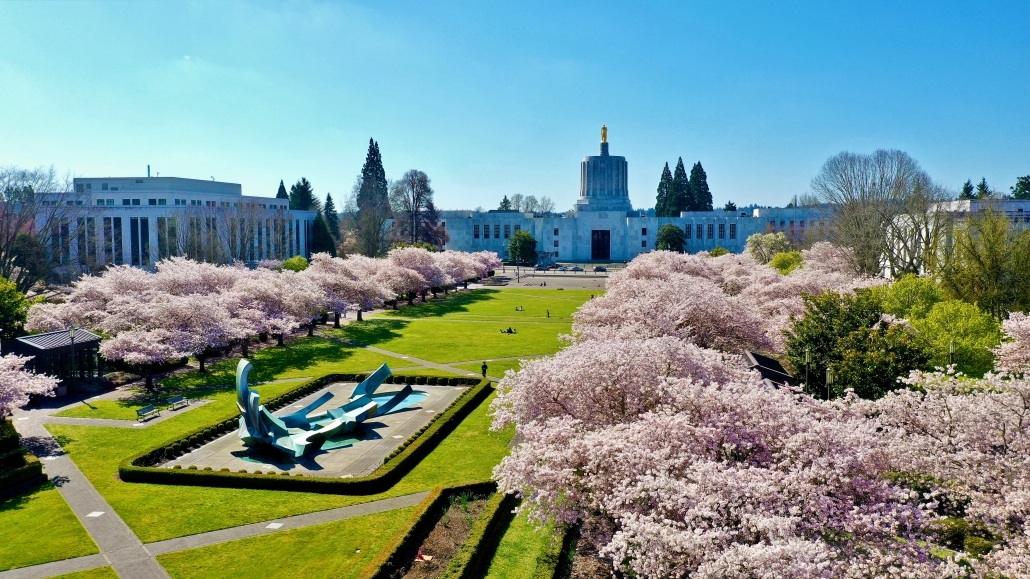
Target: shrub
717	251
420	380
786	261
297	263
487	531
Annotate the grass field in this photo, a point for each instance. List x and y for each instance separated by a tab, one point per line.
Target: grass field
38	527
495	369
516	556
98	573
339	549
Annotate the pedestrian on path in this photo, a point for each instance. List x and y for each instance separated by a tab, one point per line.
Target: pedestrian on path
484	369
548	313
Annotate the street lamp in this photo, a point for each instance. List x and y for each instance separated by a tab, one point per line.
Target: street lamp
951	352
71	334
808	362
829	381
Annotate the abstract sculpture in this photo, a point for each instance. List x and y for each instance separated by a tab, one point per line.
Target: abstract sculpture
296	433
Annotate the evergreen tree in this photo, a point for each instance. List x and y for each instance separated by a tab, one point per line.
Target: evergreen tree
982	190
321	239
730	206
967	190
373	204
505	204
332	219
374	189
661	206
682	197
302	196
282	194
699	187
1021	190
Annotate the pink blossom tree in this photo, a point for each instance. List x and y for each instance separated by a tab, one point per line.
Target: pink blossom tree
1013	355
421	262
17	384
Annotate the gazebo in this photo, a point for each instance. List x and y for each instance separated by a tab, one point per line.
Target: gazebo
72	355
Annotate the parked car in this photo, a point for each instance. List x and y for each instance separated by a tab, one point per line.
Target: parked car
540	268
577	268
563	268
552	266
600	268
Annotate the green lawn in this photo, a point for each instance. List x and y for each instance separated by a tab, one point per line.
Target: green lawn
516	555
98	573
425	371
303	357
339	549
114	409
38	527
495	369
158	512
496	304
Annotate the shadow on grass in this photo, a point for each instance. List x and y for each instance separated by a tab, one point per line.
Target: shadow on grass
371	332
21	500
454	304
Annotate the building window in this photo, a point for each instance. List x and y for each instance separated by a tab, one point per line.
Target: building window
497	231
162	202
89	186
722	231
126	202
103	186
79	188
114	188
802	223
688	230
782	224
700	231
556	254
518	227
135	201
643	231
151	201
643	243
507	231
772	225
100	201
556	231
556	243
486	231
711	230
733	230
475	232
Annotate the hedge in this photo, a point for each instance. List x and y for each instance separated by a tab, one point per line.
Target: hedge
483	539
555	562
141	467
30	469
403	547
9	439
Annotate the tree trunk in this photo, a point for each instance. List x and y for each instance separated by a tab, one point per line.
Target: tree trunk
411	298
311	328
423	296
243	346
359	314
150	378
466	285
279	338
395	304
200	358
336	320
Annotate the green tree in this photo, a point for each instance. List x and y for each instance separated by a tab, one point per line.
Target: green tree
987	263
1021	190
872	359
909	296
967	190
13	310
282	194
974	333
332	218
297	263
681	198
763	247
730	206
419	244
321	238
373	204
505	204
302	196
30	261
983	191
670	238
522	247
717	251
661	207
786	262
699	186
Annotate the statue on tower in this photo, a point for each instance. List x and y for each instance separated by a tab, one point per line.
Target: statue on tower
604	133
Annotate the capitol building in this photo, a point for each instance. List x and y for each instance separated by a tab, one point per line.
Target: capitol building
603	227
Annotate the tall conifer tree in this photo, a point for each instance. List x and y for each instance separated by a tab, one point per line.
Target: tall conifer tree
682	198
967	190
373	204
332	219
321	239
282	194
661	206
699	185
302	196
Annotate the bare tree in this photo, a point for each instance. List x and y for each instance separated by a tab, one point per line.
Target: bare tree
546	205
882	208
530	204
410	197
517	201
36	224
371	224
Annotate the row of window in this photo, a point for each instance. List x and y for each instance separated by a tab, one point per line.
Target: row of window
497	231
709	229
177	202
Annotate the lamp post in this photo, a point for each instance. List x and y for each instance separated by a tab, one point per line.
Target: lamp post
71	334
951	352
829	382
808	362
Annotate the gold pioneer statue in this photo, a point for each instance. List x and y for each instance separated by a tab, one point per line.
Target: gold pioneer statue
604	133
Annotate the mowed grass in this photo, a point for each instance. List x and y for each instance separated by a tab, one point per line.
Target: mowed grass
38	527
157	512
495	369
340	549
516	555
498	304
302	357
98	573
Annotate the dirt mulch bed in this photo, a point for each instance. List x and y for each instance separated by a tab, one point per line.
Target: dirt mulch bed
447	537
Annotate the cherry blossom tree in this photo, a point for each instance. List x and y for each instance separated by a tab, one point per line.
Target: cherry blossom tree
17	384
421	262
1013	355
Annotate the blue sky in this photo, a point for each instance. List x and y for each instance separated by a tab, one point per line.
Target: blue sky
501	98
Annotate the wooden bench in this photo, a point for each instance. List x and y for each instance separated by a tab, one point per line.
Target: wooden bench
177	402
147	412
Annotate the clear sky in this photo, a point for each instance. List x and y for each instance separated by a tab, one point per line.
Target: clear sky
494	98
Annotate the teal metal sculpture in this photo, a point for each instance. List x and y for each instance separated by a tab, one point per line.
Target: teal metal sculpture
296	433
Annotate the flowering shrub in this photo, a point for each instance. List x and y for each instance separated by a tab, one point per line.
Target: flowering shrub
16	385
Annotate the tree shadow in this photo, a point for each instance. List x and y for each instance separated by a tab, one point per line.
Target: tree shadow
22	499
454	304
371	332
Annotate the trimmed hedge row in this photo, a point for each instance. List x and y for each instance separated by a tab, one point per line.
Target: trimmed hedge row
486	533
555	562
29	469
403	547
141	467
9	439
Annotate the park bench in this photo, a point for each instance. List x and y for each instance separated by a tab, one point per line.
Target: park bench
177	402
146	412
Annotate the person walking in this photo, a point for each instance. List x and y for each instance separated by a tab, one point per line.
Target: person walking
548	313
484	369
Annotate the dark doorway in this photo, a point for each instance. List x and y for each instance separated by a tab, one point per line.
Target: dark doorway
600	244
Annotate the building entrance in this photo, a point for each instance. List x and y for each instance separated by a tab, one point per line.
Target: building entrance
600	244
